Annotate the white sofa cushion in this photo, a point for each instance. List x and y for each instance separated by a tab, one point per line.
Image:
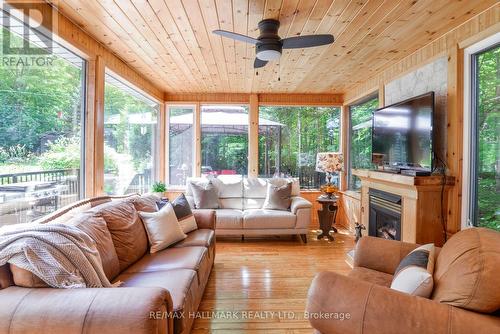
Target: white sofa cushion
231	203
268	219
257	187
254	188
229	219
253	203
229	186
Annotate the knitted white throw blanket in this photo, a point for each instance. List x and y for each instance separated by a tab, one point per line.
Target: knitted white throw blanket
61	255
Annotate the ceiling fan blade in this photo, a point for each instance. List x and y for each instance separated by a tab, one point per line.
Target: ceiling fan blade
307	41
259	63
233	35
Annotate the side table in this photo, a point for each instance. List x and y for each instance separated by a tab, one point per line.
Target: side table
327	216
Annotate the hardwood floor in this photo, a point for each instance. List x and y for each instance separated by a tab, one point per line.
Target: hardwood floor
264	282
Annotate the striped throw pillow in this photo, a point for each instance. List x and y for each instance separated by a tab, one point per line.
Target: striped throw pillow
414	273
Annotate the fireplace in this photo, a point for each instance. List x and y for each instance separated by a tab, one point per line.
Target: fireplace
385	215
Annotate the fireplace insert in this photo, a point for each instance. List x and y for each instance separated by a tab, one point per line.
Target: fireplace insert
385	215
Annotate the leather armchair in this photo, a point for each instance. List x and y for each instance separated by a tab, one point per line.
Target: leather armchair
365	302
377	309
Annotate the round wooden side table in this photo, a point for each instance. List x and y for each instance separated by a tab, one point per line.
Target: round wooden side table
327	216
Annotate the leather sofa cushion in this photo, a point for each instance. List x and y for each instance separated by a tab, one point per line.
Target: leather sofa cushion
229	219
5	277
90	310
96	228
26	279
127	231
466	271
179	282
371	276
64	214
201	238
170	258
266	219
145	203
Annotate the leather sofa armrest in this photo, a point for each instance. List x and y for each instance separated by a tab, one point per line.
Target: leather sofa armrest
101	310
369	308
381	254
299	203
205	218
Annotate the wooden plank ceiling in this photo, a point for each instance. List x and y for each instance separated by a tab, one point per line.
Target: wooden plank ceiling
170	41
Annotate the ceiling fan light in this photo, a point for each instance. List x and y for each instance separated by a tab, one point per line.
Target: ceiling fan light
268	55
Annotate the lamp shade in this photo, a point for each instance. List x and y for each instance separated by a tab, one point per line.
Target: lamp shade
329	162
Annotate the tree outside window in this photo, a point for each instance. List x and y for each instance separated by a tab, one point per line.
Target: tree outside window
360	139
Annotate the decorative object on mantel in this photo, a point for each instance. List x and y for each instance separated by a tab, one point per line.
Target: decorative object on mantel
329	163
358	228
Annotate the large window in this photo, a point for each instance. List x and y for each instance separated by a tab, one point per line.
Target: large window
41	125
485	138
224	140
181	145
290	138
130	138
360	139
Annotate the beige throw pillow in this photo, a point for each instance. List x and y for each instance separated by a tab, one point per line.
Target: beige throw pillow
414	273
205	195
162	228
278	198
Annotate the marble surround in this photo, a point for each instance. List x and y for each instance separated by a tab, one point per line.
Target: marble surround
430	77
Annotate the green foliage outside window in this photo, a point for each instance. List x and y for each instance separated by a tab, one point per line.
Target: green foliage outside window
360	149
488	120
39	105
290	146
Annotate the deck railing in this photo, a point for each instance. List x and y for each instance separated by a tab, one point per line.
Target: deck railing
68	177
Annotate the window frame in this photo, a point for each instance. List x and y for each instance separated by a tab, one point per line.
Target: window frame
294	105
198	154
194	106
363	100
127	85
82	64
470	131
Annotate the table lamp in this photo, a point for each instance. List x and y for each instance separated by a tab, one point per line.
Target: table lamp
329	163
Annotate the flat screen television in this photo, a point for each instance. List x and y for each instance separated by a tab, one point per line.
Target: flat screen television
402	134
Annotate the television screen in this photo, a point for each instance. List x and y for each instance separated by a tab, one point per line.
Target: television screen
402	133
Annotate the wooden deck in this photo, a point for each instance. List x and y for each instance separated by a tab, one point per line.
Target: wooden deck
266	274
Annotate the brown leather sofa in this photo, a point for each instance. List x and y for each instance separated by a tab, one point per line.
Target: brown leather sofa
160	292
465	298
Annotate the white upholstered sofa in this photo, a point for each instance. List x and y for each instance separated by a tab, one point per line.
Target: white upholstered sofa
240	208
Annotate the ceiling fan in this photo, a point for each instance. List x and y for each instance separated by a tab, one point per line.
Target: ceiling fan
268	46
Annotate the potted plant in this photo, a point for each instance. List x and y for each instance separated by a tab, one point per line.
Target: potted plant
159	188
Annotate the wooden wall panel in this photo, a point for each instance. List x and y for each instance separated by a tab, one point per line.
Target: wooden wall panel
350	210
172	44
464	35
266	99
253	136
